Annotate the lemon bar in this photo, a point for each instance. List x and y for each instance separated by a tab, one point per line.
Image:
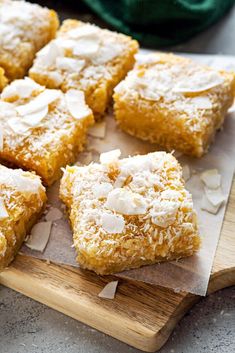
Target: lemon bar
42	129
87	58
22	198
126	213
174	102
24	29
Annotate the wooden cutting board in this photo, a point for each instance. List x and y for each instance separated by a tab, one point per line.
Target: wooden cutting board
141	315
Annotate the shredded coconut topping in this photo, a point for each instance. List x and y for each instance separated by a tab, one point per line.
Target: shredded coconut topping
15	19
77	56
24	182
172	83
36	116
140	196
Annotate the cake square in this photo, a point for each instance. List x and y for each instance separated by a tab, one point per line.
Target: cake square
126	213
22	198
42	129
88	58
174	102
24	29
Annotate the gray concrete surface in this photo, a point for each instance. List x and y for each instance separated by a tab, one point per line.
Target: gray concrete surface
29	327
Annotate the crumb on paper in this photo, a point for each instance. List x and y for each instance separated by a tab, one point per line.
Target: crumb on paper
98	130
109	291
39	236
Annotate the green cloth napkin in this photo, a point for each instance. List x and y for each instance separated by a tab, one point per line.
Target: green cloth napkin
160	22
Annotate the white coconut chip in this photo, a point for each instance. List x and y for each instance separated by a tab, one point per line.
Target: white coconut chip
75	101
39	236
101	190
98	130
143	59
211	178
206	205
110	157
69	64
215	196
3	211
83	31
109	291
108	52
49	53
202	102
186	172
42	100
112	224
35	118
126	202
21	88
87	46
199	82
18	126
53	214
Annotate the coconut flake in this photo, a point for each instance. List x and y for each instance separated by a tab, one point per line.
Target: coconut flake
102	190
35	118
23	183
211	178
186	172
110	157
143	59
21	88
199	82
108	52
42	100
98	130
109	291
126	202
75	101
69	64
39	236
201	102
206	205
3	211
170	194
164	212
54	214
18	126
112	224
50	53
83	31
86	47
215	196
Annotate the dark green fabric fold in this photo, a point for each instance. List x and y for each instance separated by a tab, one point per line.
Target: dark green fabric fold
160	22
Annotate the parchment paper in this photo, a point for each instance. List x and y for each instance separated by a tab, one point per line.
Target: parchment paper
189	274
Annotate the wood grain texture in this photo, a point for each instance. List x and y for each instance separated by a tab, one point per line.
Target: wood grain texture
141	315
